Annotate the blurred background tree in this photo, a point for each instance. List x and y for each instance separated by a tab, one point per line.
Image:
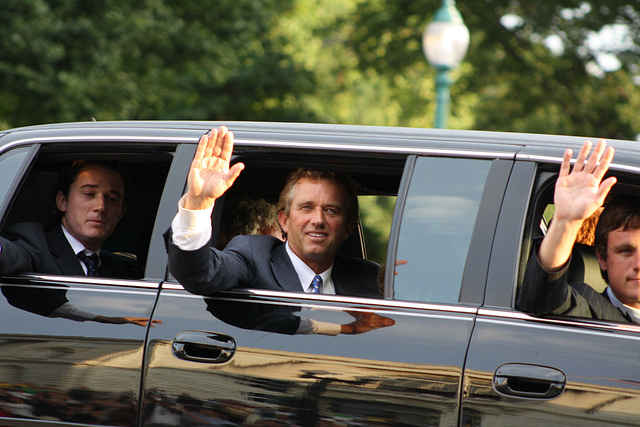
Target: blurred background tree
566	67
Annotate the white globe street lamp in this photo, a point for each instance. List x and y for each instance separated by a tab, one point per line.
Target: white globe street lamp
444	42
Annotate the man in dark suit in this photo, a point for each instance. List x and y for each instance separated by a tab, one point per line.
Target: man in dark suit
90	202
317	211
578	194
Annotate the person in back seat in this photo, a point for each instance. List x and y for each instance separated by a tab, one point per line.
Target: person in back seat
578	194
317	210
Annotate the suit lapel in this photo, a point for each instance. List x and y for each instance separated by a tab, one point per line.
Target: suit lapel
62	253
283	271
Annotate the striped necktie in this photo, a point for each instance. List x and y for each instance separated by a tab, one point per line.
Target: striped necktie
91	261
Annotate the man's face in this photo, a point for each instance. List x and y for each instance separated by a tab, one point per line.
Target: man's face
94	205
317	222
623	265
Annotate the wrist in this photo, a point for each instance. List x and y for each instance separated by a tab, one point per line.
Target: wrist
197	203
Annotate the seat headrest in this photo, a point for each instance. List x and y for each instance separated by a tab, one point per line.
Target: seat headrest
585	267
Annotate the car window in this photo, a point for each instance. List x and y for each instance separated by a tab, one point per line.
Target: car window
146	169
376	215
10	163
258	188
437	222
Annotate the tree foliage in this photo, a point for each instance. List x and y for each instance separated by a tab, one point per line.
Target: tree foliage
531	66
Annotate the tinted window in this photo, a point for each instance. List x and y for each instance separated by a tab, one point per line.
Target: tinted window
10	162
438	219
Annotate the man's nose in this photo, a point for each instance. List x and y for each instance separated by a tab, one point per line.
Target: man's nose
318	216
99	202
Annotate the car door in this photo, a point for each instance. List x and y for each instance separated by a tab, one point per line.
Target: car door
527	370
238	357
81	365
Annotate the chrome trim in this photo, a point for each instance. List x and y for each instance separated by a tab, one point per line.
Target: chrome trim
372	302
275	144
10	145
558	160
84	280
492	315
105	138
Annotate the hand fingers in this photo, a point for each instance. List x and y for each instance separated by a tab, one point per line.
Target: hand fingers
206	145
234	172
566	162
595	156
603	165
218	142
227	145
604	188
579	165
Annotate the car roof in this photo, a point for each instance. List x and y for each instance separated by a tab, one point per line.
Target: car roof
324	136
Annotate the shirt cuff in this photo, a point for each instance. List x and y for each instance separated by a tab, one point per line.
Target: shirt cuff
191	229
310	326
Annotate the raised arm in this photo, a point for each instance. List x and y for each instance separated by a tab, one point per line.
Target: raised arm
578	194
210	175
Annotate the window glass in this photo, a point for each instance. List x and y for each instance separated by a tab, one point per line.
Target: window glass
10	162
376	214
438	219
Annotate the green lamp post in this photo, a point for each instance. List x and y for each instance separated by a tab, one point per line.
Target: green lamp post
444	42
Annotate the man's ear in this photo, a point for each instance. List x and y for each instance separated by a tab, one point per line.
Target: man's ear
601	260
283	219
61	201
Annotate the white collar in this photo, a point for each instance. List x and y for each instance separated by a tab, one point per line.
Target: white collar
306	274
633	313
75	243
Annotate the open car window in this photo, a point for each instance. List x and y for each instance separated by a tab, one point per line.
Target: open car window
265	174
146	167
583	268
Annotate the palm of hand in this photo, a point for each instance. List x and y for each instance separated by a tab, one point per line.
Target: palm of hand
577	196
208	177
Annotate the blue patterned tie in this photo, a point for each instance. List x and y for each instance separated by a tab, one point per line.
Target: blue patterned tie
316	284
91	261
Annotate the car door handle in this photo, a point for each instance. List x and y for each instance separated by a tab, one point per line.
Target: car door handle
203	346
529	381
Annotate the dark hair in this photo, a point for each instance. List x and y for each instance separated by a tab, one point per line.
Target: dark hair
343	180
68	176
622	211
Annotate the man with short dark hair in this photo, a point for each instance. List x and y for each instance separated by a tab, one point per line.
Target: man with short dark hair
90	200
316	215
578	194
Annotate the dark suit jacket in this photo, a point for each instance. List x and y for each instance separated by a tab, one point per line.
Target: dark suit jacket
27	248
261	262
542	293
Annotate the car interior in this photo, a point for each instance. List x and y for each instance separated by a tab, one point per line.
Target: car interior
147	168
265	174
584	265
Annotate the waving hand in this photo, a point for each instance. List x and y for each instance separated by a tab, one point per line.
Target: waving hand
210	175
579	193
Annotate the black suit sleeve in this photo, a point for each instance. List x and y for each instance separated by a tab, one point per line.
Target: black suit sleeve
20	249
551	293
206	271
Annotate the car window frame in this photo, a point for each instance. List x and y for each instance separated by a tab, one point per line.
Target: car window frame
472	288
